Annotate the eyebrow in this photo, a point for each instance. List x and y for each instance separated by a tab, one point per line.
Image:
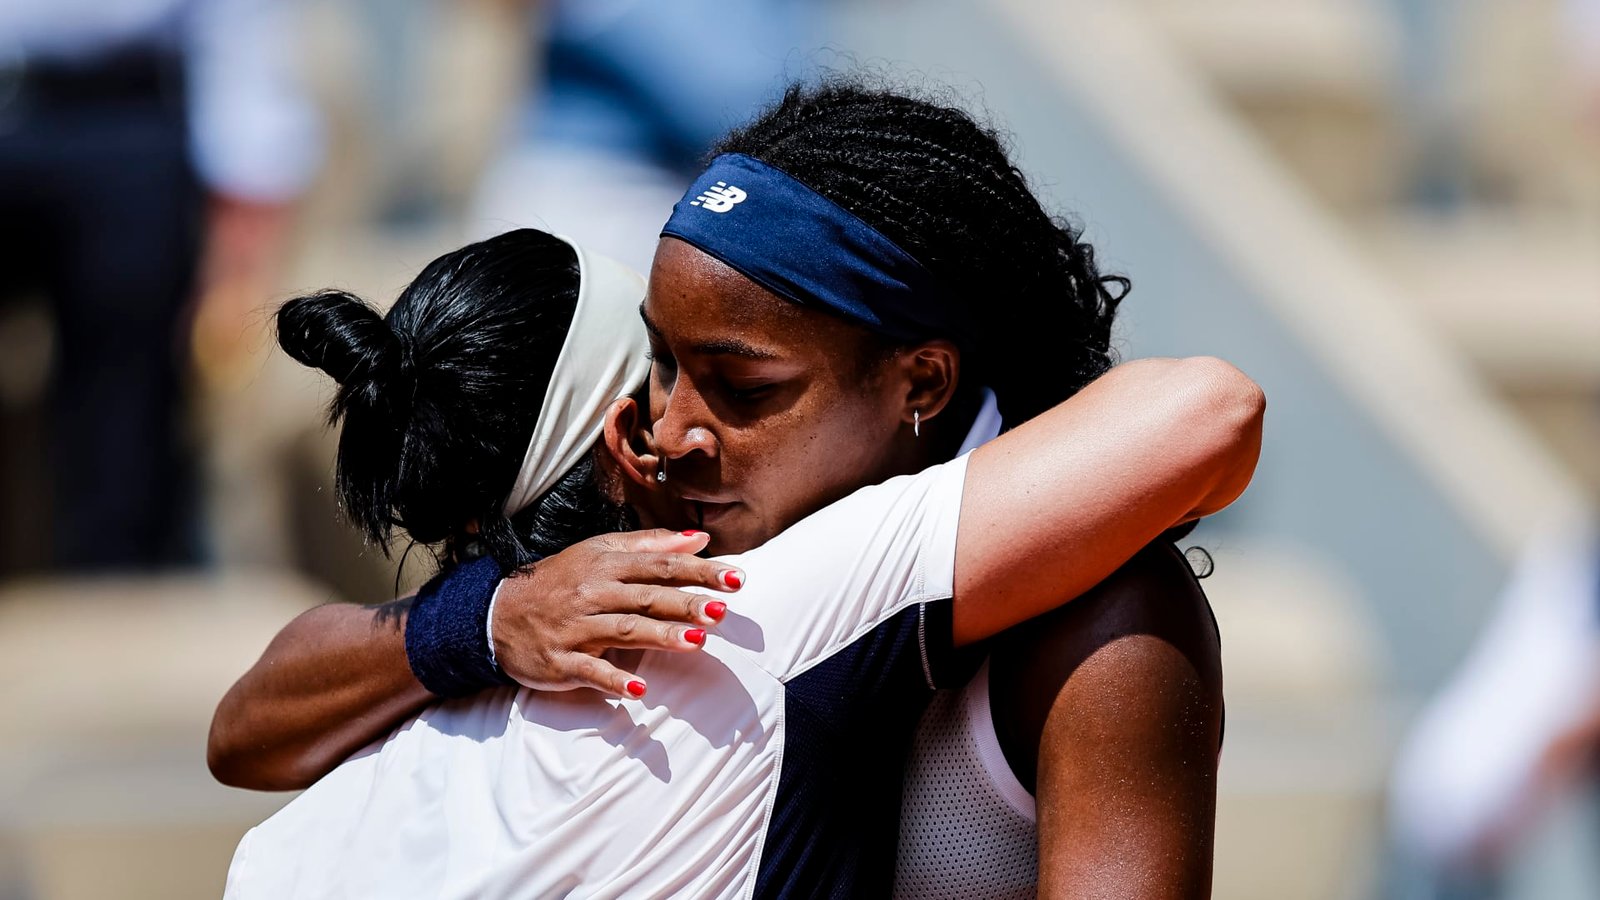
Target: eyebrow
719	347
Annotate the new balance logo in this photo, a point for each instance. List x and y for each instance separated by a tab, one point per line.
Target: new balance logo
719	199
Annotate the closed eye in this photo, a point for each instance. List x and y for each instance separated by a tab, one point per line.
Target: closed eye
747	394
663	360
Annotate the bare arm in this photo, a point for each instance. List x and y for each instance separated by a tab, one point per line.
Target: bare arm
1055	505
332	681
1150	444
1110	710
337	678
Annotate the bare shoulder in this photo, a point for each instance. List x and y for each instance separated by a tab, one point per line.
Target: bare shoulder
1136	657
1110	711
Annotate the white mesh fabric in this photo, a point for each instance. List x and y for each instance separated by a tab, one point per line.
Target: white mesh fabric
967	828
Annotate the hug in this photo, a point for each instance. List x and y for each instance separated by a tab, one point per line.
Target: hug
939	643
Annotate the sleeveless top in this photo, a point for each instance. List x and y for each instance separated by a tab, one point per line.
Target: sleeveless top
967	825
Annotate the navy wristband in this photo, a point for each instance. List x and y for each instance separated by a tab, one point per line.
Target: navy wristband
447	640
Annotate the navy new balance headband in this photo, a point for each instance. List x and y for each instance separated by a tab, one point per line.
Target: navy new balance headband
800	245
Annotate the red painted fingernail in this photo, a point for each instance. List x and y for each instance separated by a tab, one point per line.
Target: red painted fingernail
691	533
733	579
715	609
695	635
636	688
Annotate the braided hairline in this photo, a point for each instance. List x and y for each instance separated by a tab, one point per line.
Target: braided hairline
985	170
942	186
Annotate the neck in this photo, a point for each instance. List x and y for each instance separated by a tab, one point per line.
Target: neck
950	430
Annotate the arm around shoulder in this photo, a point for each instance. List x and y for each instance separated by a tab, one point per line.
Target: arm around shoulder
340	676
1058	503
1228	433
333	680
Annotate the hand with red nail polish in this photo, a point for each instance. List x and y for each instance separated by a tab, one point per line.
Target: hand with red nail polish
555	619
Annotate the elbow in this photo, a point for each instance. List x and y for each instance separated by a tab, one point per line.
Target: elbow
235	763
1232	410
249	772
226	756
223	756
1243	404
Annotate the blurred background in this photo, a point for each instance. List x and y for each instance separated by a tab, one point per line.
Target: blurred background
1386	211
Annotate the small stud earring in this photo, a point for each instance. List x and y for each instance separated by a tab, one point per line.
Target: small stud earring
661	476
916	423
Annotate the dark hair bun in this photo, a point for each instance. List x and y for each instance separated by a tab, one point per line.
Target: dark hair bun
438	396
341	334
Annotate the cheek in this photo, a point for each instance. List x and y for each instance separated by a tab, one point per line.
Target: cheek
823	455
656	401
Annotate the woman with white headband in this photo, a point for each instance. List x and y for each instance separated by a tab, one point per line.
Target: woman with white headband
1081	538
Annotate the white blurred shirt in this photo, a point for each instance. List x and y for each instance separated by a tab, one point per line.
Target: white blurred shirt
254	132
1468	769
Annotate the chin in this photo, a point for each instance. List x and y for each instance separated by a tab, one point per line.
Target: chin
736	537
720	546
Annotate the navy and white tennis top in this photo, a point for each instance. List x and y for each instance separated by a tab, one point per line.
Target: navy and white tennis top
768	764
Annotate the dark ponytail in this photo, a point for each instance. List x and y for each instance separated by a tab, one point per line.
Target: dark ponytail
438	398
941	185
342	335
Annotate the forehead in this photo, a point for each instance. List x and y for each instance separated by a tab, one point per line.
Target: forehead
692	295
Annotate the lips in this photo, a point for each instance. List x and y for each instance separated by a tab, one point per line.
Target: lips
706	513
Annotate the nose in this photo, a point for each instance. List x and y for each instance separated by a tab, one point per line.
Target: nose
685	427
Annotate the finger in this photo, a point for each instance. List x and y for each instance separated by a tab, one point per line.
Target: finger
671	605
607	678
672	570
626	631
655	540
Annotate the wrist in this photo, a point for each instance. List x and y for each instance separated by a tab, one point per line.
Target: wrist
447	631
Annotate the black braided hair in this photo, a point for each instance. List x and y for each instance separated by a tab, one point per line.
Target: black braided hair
439	397
941	185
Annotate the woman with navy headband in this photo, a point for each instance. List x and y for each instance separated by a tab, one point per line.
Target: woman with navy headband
855	378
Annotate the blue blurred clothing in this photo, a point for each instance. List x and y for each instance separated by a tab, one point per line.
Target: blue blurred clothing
253	133
632	97
660	81
101	215
116	116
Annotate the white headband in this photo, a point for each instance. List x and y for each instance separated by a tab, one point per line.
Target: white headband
602	359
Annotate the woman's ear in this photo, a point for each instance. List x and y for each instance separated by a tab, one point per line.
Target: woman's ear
932	370
630	443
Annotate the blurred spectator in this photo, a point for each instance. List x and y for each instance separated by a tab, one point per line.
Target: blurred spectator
148	151
634	94
1430	94
1582	28
1517	726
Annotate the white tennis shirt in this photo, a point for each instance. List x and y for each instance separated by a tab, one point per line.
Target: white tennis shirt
767	764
